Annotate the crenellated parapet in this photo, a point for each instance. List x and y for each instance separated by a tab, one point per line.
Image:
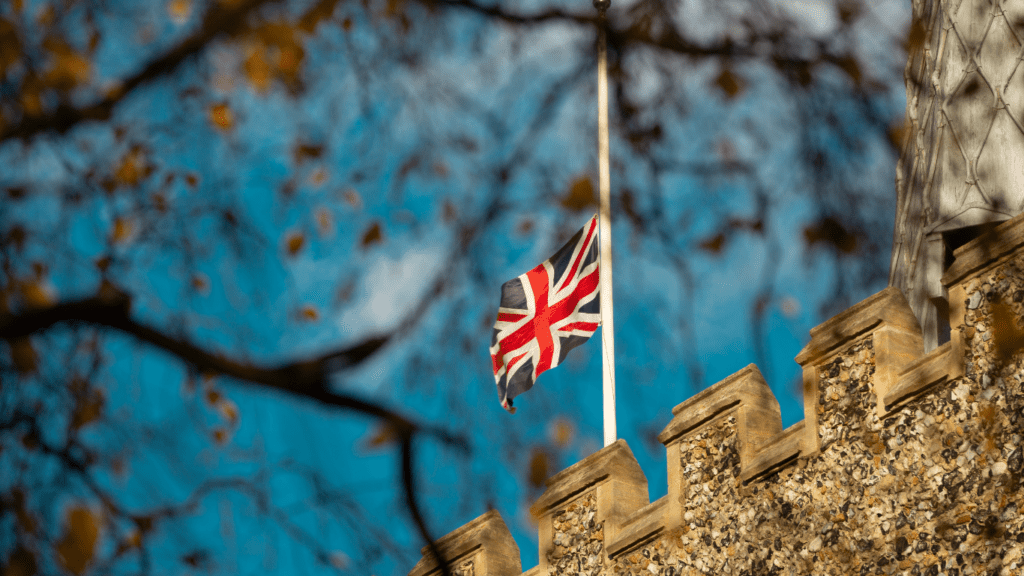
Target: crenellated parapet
905	462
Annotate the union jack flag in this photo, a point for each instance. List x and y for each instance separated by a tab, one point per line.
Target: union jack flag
545	313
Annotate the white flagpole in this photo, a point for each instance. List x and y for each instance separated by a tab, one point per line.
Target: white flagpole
605	226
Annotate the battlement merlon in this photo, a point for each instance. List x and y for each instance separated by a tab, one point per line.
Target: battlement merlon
482	547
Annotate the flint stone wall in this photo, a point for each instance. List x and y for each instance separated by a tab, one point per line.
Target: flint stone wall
905	463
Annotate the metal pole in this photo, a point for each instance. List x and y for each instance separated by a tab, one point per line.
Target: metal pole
605	226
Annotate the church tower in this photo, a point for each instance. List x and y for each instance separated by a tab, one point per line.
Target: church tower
961	170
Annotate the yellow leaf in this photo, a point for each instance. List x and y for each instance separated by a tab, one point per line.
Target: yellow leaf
221	116
76	549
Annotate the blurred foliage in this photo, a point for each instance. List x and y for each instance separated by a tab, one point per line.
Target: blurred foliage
204	198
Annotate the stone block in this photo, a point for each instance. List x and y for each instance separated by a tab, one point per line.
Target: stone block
482	547
609	480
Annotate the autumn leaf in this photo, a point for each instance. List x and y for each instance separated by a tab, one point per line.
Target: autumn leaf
221	436
221	116
729	83
309	313
228	410
353	199
88	410
76	549
68	68
449	214
213	397
201	283
24	355
580	195
372	235
539	468
303	152
257	68
830	231
294	242
324	222
179	10
37	294
192	180
383	435
123	231
132	168
561	432
714	244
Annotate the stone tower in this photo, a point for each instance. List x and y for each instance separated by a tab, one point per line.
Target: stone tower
961	170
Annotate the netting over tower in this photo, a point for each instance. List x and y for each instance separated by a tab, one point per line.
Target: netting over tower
962	164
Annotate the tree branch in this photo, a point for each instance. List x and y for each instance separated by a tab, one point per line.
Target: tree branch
221	18
306	378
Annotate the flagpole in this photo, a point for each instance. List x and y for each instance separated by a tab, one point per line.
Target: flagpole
605	226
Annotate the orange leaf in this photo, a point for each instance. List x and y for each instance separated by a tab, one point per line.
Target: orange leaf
221	116
132	167
179	10
294	243
309	313
257	68
37	295
76	549
124	229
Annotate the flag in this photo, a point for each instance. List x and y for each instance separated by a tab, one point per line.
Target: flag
545	313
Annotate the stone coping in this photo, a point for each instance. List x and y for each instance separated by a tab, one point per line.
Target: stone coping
889	306
640	527
779	452
746	389
985	250
487	537
938	366
615	460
